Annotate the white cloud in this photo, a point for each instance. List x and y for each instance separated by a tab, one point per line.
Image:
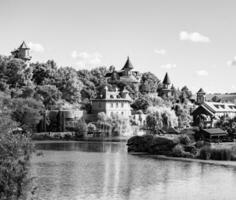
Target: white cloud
36	47
85	59
160	51
202	72
168	66
232	62
193	37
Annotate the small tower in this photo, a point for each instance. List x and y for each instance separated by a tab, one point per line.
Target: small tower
127	67
166	86
22	52
201	96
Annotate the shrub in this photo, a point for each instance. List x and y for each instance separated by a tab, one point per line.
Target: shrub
184	139
221	154
205	153
178	151
81	129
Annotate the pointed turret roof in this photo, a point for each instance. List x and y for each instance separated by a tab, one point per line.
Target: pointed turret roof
166	80
201	91
23	46
128	65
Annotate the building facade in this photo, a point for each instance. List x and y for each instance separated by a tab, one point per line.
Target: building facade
112	102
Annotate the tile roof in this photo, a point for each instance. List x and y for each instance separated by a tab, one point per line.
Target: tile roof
23	46
217	107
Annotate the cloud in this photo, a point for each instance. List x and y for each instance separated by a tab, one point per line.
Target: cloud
160	51
193	37
232	62
85	59
36	47
168	66
202	72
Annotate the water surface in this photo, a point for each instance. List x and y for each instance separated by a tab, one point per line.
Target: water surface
104	171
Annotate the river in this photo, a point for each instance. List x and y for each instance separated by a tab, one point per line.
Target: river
105	171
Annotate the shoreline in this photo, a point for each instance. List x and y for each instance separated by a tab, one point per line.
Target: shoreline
224	163
87	139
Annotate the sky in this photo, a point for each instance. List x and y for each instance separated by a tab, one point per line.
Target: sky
194	41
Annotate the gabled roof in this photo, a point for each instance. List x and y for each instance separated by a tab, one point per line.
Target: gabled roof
128	65
201	91
23	46
215	131
166	80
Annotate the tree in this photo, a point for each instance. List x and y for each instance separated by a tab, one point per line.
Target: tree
149	83
27	112
15	153
81	128
44	73
14	72
68	83
141	103
48	94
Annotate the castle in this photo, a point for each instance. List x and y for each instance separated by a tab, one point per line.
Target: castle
126	74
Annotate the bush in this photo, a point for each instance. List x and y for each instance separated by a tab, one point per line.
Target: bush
184	139
81	129
205	153
178	151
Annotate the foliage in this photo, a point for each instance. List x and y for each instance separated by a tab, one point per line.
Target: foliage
27	112
15	151
163	116
149	83
81	128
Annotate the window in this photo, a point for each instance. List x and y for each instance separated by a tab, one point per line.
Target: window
122	113
122	105
99	105
117	104
112	105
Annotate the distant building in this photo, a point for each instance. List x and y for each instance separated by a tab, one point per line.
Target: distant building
201	96
209	112
112	102
22	52
126	74
166	89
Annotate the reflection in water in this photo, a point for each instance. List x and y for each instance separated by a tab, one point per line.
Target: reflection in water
80	170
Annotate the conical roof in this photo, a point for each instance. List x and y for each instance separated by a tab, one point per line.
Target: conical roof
128	65
201	91
166	80
23	46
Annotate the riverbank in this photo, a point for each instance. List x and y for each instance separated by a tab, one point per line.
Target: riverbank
210	162
86	139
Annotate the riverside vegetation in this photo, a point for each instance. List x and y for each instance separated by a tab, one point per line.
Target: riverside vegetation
180	146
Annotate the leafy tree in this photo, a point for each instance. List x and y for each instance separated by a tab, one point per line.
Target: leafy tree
68	83
81	128
44	73
48	94
14	72
27	112
15	153
149	83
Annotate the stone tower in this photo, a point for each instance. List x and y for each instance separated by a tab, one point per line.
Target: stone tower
166	86
201	96
22	52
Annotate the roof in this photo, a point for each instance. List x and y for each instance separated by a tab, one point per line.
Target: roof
201	91
215	131
23	46
128	65
166	80
217	107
